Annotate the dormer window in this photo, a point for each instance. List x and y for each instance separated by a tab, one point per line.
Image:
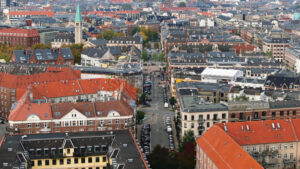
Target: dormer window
87	113
99	113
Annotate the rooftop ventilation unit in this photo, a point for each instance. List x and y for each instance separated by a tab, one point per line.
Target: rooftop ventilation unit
273	125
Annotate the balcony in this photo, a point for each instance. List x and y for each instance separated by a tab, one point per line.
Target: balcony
201	121
201	128
241	119
289	161
216	119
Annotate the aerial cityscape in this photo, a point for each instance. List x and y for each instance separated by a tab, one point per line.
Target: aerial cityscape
145	84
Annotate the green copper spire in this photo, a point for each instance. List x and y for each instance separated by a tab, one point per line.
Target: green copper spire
78	17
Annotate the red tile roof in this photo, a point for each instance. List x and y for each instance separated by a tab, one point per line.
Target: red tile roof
31	13
23	81
16	32
25	108
261	131
47	111
224	152
80	87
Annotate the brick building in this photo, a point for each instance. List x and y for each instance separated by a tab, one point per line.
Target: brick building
16	36
12	80
30	117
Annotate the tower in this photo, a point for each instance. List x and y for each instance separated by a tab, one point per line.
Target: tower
78	25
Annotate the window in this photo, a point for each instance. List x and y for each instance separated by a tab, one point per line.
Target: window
117	121
57	124
97	159
192	125
29	125
233	115
37	125
39	162
53	162
285	156
267	148
281	113
285	146
279	147
82	160
192	117
208	117
32	163
292	146
87	113
260	149
185	126
81	123
294	112
61	161
74	123
288	113
66	123
46	162
90	159
248	148
207	124
273	147
279	156
291	156
185	117
68	161
273	114
263	113
103	159
57	114
68	151
76	160
223	116
254	148
90	122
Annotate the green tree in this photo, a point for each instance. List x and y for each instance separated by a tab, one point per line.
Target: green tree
76	50
269	54
140	115
161	57
109	34
182	4
187	138
224	48
144	55
172	101
241	98
162	158
41	46
135	30
143	98
156	45
154	57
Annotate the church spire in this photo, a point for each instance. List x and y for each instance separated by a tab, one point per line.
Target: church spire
78	17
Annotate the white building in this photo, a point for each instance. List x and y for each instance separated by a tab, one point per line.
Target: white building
211	75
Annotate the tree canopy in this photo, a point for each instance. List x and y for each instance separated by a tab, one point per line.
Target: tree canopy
109	34
76	50
182	4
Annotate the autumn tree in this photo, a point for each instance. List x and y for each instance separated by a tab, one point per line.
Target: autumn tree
41	46
76	50
109	34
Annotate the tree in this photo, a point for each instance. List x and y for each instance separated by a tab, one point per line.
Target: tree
154	57
41	46
186	159
140	115
109	34
156	45
144	55
187	138
241	98
161	57
172	101
76	50
161	158
181	4
269	54
224	48
143	98
135	30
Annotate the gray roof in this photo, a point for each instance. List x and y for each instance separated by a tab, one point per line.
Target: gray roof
284	104
42	54
204	86
193	104
107	141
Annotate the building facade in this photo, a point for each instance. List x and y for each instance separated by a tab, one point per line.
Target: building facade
21	37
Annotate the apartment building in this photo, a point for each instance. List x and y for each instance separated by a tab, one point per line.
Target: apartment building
85	150
277	44
31	117
18	77
292	58
199	116
216	149
16	36
273	143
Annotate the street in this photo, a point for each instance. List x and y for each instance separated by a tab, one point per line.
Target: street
156	114
2	130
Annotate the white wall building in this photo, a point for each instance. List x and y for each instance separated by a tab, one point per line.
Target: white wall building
211	75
